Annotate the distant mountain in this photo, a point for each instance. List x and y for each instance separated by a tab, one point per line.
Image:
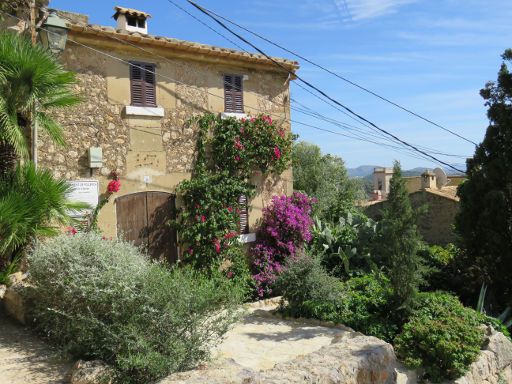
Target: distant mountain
367	170
361	171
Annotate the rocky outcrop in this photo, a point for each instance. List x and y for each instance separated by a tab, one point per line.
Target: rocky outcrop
494	365
14	299
91	372
351	359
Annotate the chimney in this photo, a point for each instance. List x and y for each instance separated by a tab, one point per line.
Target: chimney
428	180
131	20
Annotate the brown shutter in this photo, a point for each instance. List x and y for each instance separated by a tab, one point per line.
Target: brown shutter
244	214
149	86
136	85
233	94
142	84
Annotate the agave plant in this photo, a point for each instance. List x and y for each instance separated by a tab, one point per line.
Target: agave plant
505	317
32	203
32	82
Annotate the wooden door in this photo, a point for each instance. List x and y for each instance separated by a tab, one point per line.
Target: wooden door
142	218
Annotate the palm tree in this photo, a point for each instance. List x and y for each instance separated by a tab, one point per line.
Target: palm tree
33	203
29	77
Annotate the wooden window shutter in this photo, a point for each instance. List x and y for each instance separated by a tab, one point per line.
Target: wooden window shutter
233	94
244	214
142	84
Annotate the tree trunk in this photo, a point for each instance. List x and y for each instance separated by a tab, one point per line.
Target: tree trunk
8	158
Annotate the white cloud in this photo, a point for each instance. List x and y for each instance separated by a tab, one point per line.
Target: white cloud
369	9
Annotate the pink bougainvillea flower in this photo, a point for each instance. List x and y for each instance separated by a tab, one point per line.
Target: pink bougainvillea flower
252	120
71	230
230	274
230	209
190	251
277	153
203	218
114	186
237	158
238	145
281	133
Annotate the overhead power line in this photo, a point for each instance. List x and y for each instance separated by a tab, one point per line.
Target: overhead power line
361	136
365	89
355	137
307	83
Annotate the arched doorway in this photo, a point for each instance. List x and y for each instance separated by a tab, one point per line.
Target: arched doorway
142	218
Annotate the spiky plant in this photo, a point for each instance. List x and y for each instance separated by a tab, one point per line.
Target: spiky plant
32	83
32	203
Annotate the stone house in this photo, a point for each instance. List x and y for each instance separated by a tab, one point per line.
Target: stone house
441	201
139	91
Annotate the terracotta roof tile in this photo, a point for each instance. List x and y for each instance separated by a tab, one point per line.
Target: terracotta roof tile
184	45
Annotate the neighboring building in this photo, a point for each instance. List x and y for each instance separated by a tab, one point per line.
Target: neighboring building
134	122
435	192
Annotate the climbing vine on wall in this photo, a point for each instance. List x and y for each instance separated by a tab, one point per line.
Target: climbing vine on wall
228	152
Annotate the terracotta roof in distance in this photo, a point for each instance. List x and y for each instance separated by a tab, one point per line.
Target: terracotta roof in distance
449	192
129	12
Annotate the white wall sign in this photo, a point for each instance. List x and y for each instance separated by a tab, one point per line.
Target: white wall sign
86	191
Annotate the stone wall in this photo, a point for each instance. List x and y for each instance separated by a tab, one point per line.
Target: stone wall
436	225
152	153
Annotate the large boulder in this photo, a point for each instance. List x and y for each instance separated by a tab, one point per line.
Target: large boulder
352	359
494	365
91	372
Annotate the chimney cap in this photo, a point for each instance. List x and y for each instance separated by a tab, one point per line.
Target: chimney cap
130	12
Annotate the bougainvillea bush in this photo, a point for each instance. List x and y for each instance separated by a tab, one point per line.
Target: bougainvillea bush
285	229
229	151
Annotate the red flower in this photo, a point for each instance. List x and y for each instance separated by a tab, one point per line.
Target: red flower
114	186
230	235
190	251
238	144
216	243
71	230
237	158
230	274
252	120
267	119
277	153
203	218
281	133
230	209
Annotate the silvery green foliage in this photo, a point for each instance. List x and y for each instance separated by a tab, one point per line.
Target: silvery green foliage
104	299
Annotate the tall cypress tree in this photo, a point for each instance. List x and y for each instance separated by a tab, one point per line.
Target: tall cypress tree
484	221
400	242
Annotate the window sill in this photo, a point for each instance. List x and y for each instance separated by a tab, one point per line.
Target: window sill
247	238
131	110
236	115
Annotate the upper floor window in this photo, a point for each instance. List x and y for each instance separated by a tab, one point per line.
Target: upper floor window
233	94
142	84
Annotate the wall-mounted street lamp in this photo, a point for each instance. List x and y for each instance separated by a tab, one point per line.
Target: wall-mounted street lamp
54	33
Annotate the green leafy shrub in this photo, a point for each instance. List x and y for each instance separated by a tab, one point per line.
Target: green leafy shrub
103	299
360	303
306	286
442	337
367	306
440	274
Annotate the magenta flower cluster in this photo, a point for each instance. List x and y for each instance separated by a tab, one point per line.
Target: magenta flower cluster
285	229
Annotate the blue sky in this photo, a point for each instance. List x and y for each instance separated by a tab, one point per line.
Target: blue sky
430	56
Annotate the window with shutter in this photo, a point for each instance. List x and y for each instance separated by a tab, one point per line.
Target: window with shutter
244	215
233	94
142	84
